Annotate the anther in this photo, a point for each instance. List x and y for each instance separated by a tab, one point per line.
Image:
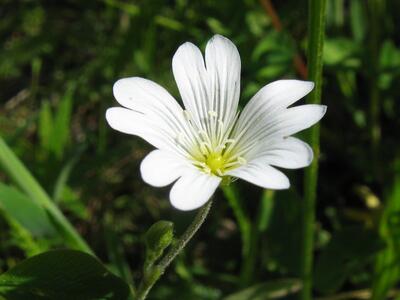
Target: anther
241	160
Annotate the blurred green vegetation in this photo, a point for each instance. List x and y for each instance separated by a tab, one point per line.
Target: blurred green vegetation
58	62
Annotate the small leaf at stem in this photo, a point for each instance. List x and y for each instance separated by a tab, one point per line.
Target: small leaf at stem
157	239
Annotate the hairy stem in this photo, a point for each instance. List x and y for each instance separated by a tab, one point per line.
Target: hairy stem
155	273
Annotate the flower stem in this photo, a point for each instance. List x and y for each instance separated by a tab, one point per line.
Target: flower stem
151	278
316	26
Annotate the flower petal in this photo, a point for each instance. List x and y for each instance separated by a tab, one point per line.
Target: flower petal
192	81
193	189
139	94
288	153
295	119
283	124
132	122
261	174
272	98
153	101
223	68
160	168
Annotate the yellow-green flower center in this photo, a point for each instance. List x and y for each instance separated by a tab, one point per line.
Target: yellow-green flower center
210	148
216	163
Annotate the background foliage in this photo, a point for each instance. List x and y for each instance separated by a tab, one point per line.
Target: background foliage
58	62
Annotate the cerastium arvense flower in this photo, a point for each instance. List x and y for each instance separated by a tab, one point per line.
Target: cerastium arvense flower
209	139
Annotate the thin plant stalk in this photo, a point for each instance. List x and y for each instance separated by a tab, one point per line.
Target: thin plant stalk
247	232
232	195
159	269
20	175
316	28
250	231
375	12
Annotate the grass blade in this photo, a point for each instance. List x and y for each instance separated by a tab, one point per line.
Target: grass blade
20	175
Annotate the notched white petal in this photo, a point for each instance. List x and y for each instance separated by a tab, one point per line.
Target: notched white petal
124	120
285	92
262	175
272	99
131	122
193	190
301	117
223	68
288	153
138	93
160	168
191	78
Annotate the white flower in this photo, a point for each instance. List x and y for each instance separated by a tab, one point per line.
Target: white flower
207	140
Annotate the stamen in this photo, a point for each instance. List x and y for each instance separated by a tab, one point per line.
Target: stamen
180	138
207	170
241	160
212	113
230	164
219	172
220	148
203	133
203	148
187	115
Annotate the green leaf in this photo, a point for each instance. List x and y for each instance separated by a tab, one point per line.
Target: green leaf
157	239
62	121
26	212
341	52
270	290
348	251
62	274
63	177
389	59
387	268
274	43
22	237
22	178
